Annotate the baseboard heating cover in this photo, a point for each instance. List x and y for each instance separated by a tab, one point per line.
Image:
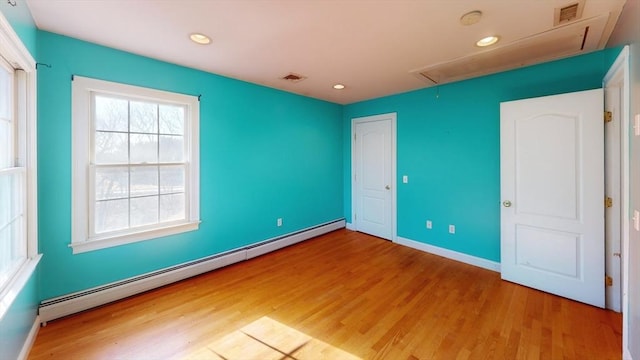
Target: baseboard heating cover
83	300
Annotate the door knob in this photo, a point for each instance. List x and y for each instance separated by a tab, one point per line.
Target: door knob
387	187
506	203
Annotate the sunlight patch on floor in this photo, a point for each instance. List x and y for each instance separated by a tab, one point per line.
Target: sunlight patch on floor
267	339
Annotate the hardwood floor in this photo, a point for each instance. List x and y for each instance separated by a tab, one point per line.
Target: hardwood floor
344	295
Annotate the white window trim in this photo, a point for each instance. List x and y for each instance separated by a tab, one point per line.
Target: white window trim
81	149
14	51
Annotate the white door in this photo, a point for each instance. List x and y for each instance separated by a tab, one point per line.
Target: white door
552	189
374	175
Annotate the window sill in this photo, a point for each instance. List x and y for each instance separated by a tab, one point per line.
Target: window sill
17	283
97	244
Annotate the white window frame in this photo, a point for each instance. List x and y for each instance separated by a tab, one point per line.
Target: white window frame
82	132
16	54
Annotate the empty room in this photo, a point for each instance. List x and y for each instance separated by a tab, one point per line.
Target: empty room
319	179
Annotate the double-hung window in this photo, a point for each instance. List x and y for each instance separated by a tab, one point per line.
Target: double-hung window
13	244
18	202
135	170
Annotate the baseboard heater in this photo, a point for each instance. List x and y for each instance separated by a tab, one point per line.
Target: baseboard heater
83	300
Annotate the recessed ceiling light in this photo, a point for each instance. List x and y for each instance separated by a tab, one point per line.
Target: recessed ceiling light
489	40
338	86
471	17
199	38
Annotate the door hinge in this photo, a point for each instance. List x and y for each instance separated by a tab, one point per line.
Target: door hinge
608	202
608	280
608	116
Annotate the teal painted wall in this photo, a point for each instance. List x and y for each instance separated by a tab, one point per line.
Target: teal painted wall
268	154
21	21
449	146
18	320
264	154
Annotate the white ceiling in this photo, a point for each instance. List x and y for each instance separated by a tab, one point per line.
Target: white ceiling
371	46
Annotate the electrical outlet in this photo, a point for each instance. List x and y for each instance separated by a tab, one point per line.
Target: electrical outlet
452	229
279	222
429	224
405	179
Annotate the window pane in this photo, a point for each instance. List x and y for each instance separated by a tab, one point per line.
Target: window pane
112	183
13	248
172	119
6	194
6	144
172	179
144	117
5	252
111	113
111	148
144	148
144	180
11	190
171	148
6	91
172	207
144	211
6	260
111	215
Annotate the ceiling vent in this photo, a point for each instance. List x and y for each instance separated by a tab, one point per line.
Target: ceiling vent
565	41
566	14
294	78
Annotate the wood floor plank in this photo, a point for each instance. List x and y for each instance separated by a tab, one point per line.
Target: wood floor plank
344	295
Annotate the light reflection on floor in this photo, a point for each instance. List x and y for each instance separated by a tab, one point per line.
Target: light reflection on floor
267	339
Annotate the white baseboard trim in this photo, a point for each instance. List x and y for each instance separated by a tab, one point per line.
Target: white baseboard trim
83	300
31	338
350	226
450	254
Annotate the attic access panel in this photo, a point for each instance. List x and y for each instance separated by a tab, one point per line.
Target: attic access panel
573	39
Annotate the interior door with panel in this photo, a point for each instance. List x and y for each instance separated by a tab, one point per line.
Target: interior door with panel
374	175
552	189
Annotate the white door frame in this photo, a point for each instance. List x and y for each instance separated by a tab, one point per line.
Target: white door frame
620	69
394	191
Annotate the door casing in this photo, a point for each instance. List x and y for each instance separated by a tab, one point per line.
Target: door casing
618	75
